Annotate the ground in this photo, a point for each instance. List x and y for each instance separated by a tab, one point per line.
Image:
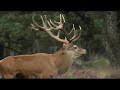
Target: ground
101	71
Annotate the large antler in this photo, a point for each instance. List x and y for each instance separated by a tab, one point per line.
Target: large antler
52	26
49	25
76	35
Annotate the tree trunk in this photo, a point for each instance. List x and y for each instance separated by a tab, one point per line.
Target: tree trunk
36	46
1	51
112	38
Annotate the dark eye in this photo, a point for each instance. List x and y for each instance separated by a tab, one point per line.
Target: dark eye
75	47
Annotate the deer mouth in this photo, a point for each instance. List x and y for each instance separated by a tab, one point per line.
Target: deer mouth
79	54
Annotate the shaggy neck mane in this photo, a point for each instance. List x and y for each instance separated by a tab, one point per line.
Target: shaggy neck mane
62	60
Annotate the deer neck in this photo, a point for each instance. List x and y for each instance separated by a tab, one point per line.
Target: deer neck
63	61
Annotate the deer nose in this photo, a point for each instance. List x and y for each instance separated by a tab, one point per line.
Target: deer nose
85	51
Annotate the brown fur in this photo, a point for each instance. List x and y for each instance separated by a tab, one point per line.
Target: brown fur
40	65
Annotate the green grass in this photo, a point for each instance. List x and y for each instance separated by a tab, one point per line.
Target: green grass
99	68
98	62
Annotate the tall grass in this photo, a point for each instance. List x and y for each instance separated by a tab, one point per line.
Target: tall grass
99	68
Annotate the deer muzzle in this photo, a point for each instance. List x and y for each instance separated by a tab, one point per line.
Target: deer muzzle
84	51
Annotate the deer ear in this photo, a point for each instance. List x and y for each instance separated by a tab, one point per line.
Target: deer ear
71	44
64	44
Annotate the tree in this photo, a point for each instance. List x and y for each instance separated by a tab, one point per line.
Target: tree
112	37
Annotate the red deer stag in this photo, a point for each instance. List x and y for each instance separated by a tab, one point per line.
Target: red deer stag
42	65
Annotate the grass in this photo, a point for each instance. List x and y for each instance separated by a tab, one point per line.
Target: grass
99	68
98	62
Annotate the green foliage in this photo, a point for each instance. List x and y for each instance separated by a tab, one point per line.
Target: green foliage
15	29
98	62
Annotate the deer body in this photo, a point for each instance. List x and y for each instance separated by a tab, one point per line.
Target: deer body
42	65
37	65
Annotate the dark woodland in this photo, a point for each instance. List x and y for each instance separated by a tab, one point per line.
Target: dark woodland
100	36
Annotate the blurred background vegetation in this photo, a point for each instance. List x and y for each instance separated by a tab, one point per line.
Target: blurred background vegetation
100	35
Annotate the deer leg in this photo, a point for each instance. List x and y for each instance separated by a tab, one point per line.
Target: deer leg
20	76
8	76
50	74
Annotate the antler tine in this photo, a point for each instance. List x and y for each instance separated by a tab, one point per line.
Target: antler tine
65	39
60	23
58	33
75	39
80	27
60	18
75	33
52	23
35	24
63	18
56	21
44	22
33	27
71	31
49	25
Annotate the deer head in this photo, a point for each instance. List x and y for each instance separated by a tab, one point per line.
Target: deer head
69	48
